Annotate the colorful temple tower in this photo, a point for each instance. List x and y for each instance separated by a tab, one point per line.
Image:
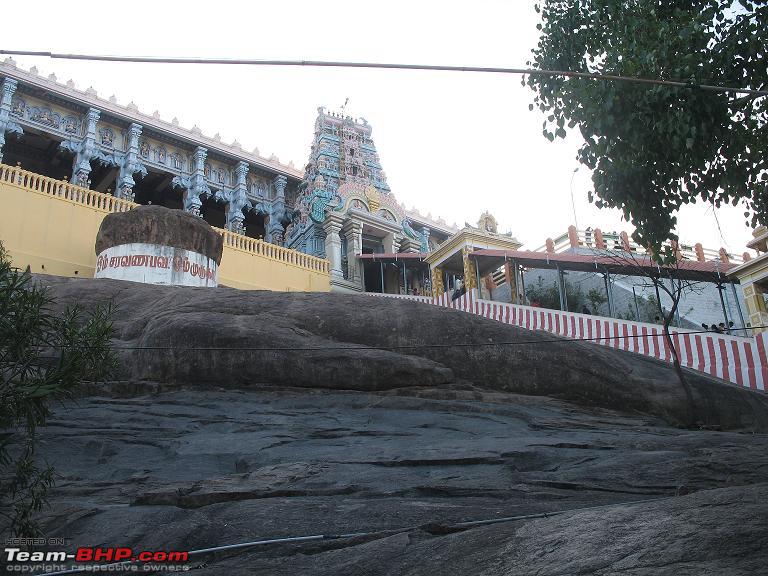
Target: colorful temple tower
345	208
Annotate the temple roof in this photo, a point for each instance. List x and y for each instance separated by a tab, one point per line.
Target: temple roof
131	112
631	264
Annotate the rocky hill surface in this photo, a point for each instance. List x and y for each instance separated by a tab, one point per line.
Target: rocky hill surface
209	439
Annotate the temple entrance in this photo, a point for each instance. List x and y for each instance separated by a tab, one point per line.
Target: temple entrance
255	225
39	153
213	211
373	274
103	178
155	188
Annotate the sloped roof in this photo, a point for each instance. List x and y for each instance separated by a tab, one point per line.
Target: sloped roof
616	263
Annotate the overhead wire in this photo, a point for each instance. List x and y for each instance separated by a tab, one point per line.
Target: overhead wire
676	83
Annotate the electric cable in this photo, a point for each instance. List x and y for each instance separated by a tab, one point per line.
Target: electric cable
389	66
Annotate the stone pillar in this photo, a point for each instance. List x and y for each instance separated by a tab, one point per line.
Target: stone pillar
550	244
470	270
6	124
599	242
81	167
353	231
238	199
438	288
392	243
197	186
332	227
275	230
699	249
130	166
676	249
625	245
573	236
511	278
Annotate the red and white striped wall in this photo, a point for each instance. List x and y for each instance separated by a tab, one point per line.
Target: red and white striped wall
742	361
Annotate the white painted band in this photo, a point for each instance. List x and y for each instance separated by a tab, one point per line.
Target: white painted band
157	264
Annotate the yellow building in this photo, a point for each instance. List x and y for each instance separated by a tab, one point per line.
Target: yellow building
753	277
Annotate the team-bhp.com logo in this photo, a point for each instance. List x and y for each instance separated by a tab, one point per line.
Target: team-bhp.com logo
95	559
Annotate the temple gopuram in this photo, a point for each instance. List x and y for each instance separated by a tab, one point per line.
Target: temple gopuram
345	208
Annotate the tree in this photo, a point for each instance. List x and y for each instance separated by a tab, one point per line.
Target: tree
43	356
652	149
669	280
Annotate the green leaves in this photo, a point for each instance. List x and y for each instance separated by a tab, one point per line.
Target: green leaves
654	148
43	356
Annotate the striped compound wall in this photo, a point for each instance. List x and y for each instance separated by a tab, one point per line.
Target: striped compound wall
742	361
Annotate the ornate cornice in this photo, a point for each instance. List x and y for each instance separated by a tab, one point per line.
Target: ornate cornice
130	113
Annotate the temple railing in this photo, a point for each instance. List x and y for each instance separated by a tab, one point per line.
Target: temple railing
613	241
63	190
107	203
741	361
274	252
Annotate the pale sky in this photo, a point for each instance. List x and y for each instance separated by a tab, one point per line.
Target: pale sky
452	144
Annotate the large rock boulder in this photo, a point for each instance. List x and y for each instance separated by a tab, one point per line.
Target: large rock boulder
161	226
195	469
227	338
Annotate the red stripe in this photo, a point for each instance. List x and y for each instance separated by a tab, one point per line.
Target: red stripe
634	343
687	345
711	352
760	340
737	363
700	344
724	359
751	368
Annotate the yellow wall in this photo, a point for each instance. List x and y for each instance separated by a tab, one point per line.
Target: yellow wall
753	277
51	226
244	270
